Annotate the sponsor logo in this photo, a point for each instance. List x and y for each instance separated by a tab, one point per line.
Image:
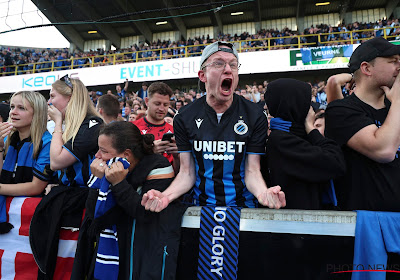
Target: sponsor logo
217	148
198	122
92	123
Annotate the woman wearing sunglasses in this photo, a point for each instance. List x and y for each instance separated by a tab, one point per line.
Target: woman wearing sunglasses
73	148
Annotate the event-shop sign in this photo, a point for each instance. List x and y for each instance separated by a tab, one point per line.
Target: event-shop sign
185	68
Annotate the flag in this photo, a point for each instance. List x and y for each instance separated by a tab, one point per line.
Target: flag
16	258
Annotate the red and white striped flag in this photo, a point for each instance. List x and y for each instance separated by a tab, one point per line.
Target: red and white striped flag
16	258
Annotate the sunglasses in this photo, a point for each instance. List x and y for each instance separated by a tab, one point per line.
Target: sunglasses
67	81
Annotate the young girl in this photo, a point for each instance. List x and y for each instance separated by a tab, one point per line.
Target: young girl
26	144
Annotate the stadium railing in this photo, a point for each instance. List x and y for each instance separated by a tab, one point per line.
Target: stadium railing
270	43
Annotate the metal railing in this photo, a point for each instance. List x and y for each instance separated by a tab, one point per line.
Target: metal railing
263	44
314	222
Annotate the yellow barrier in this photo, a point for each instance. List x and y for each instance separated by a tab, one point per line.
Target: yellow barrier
348	37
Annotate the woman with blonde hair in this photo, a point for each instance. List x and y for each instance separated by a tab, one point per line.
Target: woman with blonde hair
71	152
25	142
73	148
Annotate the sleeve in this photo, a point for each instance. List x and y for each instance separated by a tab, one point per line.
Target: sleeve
317	160
342	122
181	135
256	143
85	140
127	197
159	178
40	166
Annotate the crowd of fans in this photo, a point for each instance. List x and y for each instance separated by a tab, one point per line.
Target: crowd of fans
121	169
133	107
23	61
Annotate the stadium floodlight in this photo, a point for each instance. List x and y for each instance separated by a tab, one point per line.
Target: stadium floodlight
322	3
92	32
161	22
236	13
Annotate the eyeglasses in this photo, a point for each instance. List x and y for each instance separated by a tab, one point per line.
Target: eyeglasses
219	64
67	81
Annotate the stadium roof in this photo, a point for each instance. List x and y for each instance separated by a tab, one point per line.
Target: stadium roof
116	19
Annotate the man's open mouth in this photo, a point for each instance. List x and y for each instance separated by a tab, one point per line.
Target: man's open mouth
226	85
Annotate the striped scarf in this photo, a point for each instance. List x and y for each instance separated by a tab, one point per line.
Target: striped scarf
107	260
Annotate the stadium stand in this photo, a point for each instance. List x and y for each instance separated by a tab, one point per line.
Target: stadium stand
27	61
330	233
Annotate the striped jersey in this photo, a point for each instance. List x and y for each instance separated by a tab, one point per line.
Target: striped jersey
19	165
83	149
219	149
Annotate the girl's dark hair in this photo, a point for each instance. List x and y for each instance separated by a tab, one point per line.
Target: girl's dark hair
126	135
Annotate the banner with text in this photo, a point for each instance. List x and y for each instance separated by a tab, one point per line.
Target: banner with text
184	68
317	58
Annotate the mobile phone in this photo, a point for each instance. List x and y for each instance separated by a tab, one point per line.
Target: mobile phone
167	137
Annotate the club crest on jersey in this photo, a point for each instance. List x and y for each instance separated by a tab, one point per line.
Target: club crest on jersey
240	127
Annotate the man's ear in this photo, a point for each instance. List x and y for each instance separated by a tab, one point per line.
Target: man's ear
365	68
202	76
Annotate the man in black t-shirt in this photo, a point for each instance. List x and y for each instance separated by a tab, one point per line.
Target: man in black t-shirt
367	126
220	138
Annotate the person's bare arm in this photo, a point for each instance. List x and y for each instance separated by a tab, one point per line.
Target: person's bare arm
272	197
334	85
33	188
59	157
381	144
156	201
168	147
126	84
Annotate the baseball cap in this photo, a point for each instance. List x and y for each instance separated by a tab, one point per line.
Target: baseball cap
213	48
99	93
371	49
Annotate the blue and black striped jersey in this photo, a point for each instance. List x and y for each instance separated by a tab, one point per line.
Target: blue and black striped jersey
83	149
19	165
219	149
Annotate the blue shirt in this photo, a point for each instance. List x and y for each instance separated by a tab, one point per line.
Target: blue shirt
220	149
83	149
19	165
